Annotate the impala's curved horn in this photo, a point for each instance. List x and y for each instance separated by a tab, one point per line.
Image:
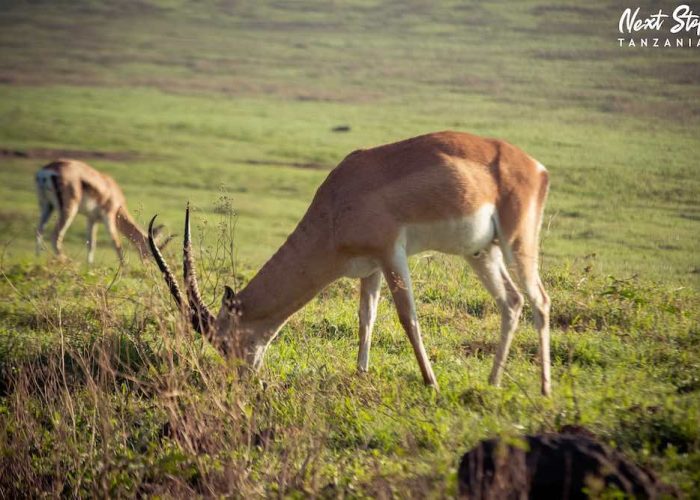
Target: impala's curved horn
163	266
202	318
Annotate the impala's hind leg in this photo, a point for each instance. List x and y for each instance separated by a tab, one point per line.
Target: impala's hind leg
65	219
43	187
518	229
525	257
369	297
395	269
46	210
489	267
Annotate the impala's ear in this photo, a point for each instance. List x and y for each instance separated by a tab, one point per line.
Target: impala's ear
229	295
230	302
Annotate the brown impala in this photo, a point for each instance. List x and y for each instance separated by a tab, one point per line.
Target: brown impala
69	187
451	192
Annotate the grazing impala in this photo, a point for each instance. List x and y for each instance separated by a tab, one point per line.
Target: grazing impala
452	192
69	187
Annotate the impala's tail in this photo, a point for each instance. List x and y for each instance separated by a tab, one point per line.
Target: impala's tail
541	200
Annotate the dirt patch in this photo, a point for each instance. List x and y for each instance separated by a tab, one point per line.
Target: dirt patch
77	154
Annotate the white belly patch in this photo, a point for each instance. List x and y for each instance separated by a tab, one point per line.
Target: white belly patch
459	236
361	267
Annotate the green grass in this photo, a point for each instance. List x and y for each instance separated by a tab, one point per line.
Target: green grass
235	101
137	404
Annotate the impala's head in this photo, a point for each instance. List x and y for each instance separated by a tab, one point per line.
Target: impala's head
226	330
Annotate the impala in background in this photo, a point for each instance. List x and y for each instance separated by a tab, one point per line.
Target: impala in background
69	187
451	192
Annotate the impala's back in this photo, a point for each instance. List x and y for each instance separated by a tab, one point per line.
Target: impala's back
442	191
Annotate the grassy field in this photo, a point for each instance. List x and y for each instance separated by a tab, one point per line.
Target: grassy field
232	105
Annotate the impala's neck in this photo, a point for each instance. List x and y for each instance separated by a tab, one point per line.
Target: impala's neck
300	269
132	231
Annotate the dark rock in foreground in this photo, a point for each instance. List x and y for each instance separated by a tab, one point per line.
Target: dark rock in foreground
557	466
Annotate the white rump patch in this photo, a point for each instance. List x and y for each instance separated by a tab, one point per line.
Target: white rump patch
43	178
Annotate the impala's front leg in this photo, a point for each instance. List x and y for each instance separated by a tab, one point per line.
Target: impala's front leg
111	225
369	298
399	281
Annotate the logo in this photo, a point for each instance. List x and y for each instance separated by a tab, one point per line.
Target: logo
677	29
